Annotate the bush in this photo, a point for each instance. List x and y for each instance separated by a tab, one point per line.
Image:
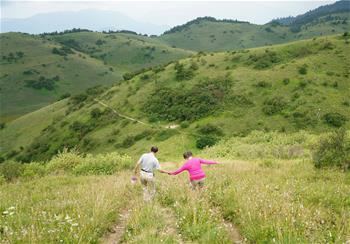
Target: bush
95	113
63	51
102	164
2	125
274	105
185	105
11	170
128	142
184	124
165	134
303	70
210	129
205	141
34	170
333	151
263	84
286	81
64	161
63	96
182	73
334	119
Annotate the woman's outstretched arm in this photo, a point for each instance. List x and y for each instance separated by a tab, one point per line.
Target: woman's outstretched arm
204	161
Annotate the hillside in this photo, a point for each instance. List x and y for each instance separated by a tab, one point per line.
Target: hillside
37	70
301	85
124	51
265	189
209	34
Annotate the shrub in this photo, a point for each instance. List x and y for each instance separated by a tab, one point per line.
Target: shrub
333	151
102	164
286	81
303	70
11	170
334	119
2	125
95	113
2	180
210	129
165	134
64	161
79	98
274	105
205	141
184	124
63	96
180	104
263	84
34	170
182	73
63	51
128	142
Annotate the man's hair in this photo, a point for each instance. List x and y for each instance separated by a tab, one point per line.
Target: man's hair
187	154
154	149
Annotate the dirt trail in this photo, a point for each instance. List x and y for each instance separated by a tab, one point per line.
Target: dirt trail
170	222
116	233
233	232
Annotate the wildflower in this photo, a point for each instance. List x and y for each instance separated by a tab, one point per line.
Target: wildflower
75	224
5	212
11	208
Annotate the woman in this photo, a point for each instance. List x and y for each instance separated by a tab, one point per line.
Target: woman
194	167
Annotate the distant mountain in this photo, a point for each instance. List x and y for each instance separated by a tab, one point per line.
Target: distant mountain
210	34
97	20
341	6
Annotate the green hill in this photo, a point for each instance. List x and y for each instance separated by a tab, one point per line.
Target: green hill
37	70
301	85
209	34
124	51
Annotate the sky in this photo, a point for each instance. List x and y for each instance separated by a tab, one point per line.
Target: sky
169	12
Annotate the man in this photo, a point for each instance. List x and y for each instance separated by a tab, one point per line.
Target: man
148	164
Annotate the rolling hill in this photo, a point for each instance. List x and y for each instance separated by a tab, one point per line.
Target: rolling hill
302	85
37	70
210	34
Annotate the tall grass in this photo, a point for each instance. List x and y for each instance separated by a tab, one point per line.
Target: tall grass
61	209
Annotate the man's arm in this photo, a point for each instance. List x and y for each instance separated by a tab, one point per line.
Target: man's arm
178	171
136	169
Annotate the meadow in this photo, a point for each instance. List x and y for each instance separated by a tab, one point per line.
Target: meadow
276	198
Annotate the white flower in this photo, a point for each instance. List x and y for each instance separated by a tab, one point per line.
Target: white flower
75	224
5	212
11	208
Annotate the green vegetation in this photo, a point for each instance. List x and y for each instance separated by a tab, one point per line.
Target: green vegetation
237	100
278	194
210	34
81	59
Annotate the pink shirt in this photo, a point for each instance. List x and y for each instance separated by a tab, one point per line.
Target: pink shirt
194	168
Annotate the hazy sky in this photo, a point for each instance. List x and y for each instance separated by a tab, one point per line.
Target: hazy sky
169	12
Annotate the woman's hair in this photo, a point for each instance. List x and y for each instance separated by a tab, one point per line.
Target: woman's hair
187	154
154	149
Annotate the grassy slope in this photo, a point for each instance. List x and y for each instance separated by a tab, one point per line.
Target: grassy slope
125	52
220	36
78	71
288	201
310	96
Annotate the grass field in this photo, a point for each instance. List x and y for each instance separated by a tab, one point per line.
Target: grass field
264	199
